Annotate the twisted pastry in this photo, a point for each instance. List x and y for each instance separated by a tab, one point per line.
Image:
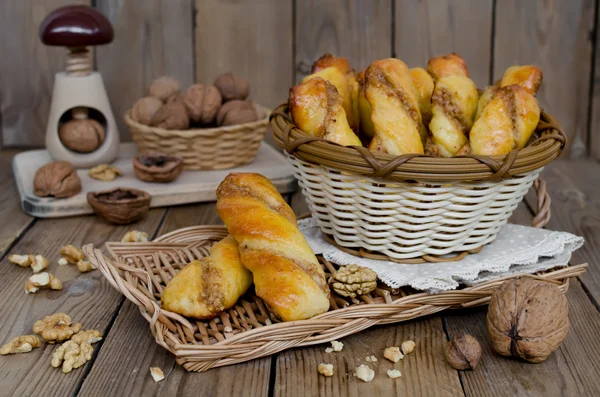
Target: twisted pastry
316	107
424	85
446	66
287	275
338	72
506	122
395	110
206	287
364	109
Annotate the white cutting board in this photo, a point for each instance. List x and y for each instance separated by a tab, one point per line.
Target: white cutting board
189	187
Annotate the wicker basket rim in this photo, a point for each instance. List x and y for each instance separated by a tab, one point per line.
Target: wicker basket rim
361	161
200	132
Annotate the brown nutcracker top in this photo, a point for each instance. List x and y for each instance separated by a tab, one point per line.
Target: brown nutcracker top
76	26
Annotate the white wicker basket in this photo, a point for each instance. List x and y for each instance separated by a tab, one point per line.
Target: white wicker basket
408	220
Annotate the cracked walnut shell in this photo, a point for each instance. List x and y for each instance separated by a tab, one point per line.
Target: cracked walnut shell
57	179
202	102
527	318
353	280
21	344
171	116
57	327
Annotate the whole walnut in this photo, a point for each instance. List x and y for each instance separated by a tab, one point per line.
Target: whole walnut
236	112
171	116
528	319
463	352
145	108
57	179
232	86
163	87
202	102
82	136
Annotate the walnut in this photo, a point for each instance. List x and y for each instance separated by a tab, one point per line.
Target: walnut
135	236
231	86
236	112
463	352
145	108
42	280
364	373
85	266
325	369
72	355
393	373
72	254
528	319
202	102
104	172
353	280
21	344
157	374
39	263
163	87
90	336
408	346
393	354
82	136
171	116
57	179
36	262
57	327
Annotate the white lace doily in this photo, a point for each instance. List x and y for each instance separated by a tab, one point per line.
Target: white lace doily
517	249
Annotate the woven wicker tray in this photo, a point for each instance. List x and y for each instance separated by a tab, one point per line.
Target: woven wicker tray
249	330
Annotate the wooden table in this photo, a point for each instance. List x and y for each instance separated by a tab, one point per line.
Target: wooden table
120	365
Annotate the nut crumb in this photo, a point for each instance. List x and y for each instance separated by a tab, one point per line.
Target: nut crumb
393	373
135	236
371	359
85	266
337	346
42	280
39	263
63	262
408	346
325	369
393	354
329	350
364	373
157	374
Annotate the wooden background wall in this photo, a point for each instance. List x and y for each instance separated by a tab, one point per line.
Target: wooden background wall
273	43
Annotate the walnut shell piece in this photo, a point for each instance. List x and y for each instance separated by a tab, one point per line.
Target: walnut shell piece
82	136
163	87
120	206
171	116
157	167
145	108
232	86
463	352
527	318
202	102
353	280
236	112
57	179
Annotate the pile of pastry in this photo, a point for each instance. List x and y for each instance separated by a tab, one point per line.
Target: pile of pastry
438	111
264	247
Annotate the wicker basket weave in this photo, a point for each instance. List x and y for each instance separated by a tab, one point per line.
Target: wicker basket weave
412	208
249	330
204	148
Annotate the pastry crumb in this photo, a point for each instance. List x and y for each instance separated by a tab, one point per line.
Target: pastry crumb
337	346
393	354
393	373
371	359
364	373
408	346
157	374
329	350
325	369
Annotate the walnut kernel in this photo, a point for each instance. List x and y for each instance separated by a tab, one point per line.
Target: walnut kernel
39	263
393	354
90	336
21	260
21	344
104	172
72	254
57	327
353	280
85	266
42	280
71	355
135	236
463	352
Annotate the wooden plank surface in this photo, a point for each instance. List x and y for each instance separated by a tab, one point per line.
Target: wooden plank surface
358	30
429	28
569	371
14	220
87	298
131	344
27	70
594	130
250	38
556	36
152	38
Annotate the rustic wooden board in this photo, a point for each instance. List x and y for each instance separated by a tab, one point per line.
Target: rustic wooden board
359	31
14	221
250	38
27	71
430	28
189	187
547	34
131	344
88	298
152	38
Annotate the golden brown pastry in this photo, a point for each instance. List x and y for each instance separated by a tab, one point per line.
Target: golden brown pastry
364	109
447	65
287	275
338	72
424	85
506	123
206	287
395	113
316	107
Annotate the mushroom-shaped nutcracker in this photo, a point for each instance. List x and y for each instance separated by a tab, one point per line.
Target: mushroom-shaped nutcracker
81	126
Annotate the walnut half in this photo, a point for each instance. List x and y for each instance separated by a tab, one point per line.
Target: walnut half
353	280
